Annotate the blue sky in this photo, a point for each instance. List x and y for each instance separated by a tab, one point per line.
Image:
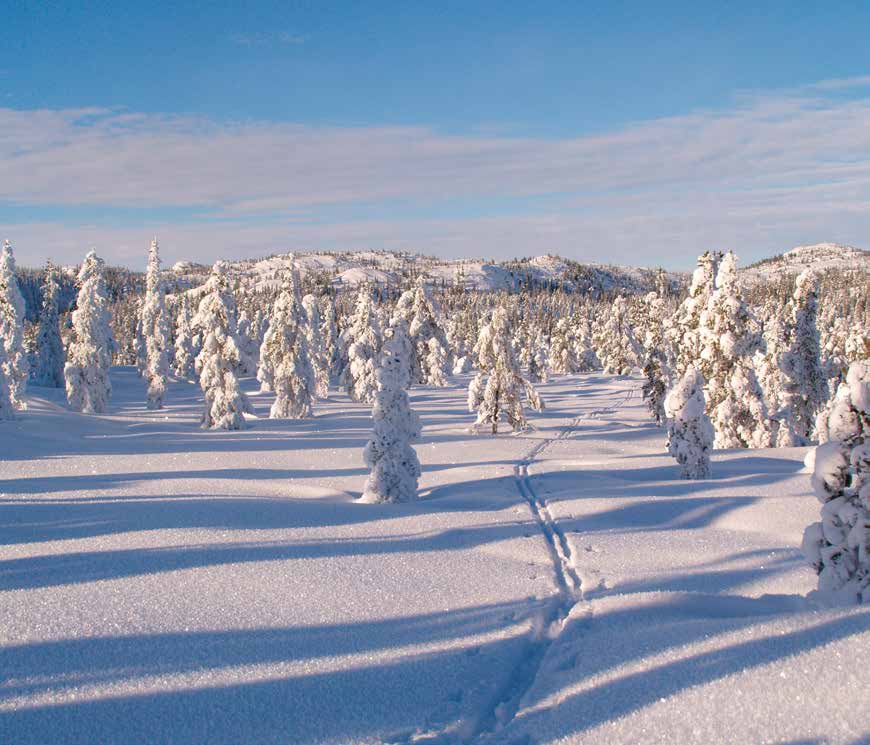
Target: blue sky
631	132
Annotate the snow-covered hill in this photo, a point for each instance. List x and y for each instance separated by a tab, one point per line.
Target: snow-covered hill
820	256
397	269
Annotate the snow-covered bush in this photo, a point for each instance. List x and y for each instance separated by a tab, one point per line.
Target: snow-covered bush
496	392
155	330
690	434
15	363
285	365
838	546
7	409
218	360
50	358
90	354
654	366
395	469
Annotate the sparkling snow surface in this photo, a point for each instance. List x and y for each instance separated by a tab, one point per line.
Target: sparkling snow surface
161	584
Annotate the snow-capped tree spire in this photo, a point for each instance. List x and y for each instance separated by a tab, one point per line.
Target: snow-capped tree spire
12	328
90	355
495	393
225	404
285	365
49	346
155	330
395	469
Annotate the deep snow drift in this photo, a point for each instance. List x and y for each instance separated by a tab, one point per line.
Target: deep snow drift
160	583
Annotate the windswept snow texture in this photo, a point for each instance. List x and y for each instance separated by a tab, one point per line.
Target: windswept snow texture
164	584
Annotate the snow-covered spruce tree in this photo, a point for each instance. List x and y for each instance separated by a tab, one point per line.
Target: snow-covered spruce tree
247	337
614	341
7	409
418	308
838	547
90	353
729	337
316	347
495	393
15	363
50	358
767	369
363	340
218	360
584	352
654	357
563	360
155	330
805	388
140	343
690	434
331	341
395	469
435	363
285	365
685	332
185	349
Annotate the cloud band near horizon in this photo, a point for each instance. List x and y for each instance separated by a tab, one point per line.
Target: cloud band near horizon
759	176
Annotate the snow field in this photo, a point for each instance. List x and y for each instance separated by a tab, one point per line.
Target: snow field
164	584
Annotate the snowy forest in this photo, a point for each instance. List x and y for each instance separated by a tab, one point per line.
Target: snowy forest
430	359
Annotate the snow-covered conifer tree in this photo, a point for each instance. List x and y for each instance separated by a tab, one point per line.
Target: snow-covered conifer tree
654	356
218	359
155	330
185	349
12	328
563	359
418	308
50	358
614	341
838	547
690	434
7	409
90	354
247	337
496	391
285	365
685	331
316	347
435	362
395	469
729	337
363	340
805	388
331	341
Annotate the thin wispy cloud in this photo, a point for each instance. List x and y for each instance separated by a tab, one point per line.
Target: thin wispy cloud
769	170
268	38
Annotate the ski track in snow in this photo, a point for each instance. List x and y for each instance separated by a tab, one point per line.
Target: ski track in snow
568	582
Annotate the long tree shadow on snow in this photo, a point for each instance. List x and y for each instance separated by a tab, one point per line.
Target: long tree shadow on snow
362	701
